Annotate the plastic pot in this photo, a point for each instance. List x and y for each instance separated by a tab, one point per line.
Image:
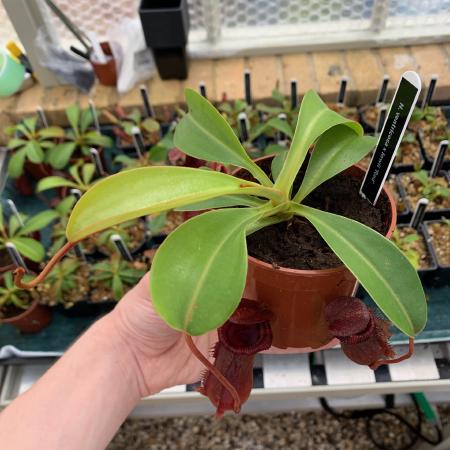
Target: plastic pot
297	298
106	73
166	27
32	320
12	74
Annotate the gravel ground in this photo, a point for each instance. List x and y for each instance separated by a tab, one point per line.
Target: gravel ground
299	431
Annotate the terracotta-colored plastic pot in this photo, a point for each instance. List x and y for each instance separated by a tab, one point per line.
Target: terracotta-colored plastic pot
297	298
32	320
106	73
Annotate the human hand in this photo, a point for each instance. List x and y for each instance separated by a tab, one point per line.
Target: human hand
162	357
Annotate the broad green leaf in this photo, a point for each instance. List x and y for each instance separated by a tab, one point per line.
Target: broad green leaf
75	174
314	119
30	123
16	143
150	125
93	138
73	116
138	192
88	171
278	163
16	162
58	156
380	267
29	248
336	150
34	152
274	149
205	134
157	222
223	202
199	271
51	132
39	221
86	120
54	182
273	110
158	153
117	287
281	125
65	205
278	96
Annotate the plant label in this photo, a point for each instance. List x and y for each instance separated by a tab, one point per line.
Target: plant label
121	247
381	97
42	116
439	160
15	256
402	105
15	211
342	91
294	94
243	126
430	91
94	115
419	213
76	193
138	141
148	108
381	119
97	161
247	87
202	88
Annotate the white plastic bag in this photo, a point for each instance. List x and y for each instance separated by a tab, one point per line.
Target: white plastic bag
137	62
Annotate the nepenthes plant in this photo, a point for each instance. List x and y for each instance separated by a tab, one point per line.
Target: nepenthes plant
199	272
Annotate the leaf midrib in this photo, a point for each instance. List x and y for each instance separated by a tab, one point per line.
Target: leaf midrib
371	266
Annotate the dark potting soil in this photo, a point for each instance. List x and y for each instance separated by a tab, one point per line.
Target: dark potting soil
296	244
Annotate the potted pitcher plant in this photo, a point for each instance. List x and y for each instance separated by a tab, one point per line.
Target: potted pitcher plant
274	258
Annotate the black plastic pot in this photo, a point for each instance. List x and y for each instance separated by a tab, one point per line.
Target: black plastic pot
166	27
87	308
431	214
441	277
427	157
426	275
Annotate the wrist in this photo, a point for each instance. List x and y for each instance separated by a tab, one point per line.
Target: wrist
118	349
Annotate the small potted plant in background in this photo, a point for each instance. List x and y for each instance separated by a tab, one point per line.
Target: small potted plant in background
21	308
415	247
436	189
78	139
113	277
437	233
205	259
123	125
24	234
30	146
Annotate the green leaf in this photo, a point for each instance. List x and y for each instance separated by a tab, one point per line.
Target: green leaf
314	119
157	223
274	149
278	163
30	123
54	182
158	153
150	125
138	192
88	171
73	116
223	202
93	138
39	221
281	125
86	120
51	132
16	162
278	96
205	134
117	287
34	152
16	143
65	205
381	268
207	274
272	110
336	150
29	248
58	156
